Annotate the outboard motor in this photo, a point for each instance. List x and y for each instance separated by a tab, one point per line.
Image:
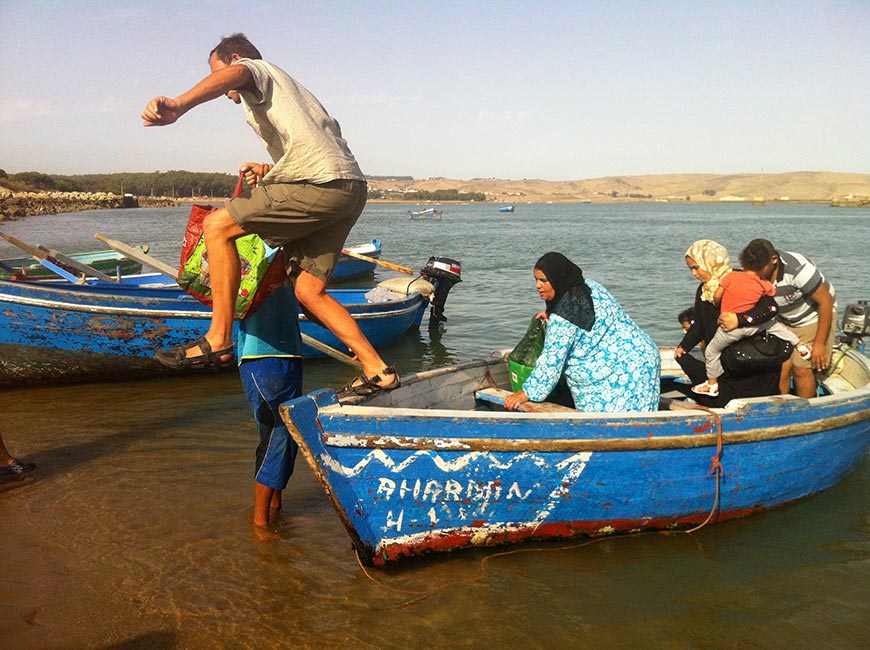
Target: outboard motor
856	323
443	272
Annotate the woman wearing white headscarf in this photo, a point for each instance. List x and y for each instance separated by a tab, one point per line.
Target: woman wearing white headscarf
709	262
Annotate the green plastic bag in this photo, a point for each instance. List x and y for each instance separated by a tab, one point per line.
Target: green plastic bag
521	360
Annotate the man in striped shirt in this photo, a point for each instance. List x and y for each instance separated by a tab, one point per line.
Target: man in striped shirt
807	306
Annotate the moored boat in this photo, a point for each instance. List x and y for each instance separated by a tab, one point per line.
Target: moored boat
438	465
60	331
506	208
429	213
109	262
349	267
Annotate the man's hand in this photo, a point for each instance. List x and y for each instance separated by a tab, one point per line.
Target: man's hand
254	172
819	358
161	111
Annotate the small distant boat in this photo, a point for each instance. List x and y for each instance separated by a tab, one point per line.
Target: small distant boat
586	201
506	208
349	267
109	262
428	213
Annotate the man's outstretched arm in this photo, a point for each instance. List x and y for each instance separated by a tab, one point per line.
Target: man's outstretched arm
162	111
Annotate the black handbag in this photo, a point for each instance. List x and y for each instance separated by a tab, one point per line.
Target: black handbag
756	354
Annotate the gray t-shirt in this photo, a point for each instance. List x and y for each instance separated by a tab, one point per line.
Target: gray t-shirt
304	142
797	280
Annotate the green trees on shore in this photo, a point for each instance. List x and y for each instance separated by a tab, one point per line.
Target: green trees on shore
172	183
423	195
179	184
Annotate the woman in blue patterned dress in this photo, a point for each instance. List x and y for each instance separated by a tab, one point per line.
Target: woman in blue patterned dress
610	364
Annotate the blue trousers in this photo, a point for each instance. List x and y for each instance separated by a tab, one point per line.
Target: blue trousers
269	382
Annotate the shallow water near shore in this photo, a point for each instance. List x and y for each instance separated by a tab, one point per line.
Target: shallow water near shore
135	531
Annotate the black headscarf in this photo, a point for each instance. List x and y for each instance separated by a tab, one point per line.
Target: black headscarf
573	299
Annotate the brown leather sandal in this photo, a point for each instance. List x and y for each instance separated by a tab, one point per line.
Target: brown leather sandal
369	385
177	358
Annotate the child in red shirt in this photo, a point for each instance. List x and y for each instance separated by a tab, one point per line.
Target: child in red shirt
737	293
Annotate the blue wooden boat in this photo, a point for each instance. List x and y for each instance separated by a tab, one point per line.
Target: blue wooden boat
506	208
110	262
59	331
428	213
437	465
349	267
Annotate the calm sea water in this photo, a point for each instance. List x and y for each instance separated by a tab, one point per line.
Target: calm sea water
136	530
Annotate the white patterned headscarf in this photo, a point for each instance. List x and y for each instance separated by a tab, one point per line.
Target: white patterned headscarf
712	257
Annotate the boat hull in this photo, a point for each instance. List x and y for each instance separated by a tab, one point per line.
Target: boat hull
349	267
431	213
53	332
407	480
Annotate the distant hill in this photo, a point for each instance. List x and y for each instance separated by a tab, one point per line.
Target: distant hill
823	187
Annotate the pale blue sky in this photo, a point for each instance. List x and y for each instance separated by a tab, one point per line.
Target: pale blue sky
556	90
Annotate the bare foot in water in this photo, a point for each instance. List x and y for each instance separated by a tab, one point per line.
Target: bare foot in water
266	534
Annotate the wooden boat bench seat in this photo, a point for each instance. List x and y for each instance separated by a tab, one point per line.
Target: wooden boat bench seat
498	395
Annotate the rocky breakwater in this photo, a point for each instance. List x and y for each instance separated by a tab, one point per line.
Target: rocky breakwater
15	205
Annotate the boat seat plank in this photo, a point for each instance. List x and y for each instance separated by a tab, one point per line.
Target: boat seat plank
72	263
498	395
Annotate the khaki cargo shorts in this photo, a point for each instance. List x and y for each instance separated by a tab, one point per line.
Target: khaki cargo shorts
807	334
310	221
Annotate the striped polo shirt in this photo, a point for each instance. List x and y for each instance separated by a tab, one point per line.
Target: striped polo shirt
798	279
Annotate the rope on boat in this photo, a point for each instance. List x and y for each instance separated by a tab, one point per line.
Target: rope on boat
485	382
716	464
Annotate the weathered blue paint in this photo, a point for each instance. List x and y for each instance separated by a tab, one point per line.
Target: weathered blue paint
410	480
53	331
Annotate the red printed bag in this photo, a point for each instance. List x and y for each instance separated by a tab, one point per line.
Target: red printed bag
261	274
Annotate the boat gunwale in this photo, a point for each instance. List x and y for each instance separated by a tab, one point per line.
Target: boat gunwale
361	311
566	445
644	423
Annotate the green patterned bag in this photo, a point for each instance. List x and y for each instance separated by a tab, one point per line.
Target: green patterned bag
262	274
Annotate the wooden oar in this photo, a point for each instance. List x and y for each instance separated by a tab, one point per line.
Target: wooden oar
386	265
165	269
139	256
56	266
330	351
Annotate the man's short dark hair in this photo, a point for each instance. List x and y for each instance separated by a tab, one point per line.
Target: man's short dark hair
757	254
236	43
